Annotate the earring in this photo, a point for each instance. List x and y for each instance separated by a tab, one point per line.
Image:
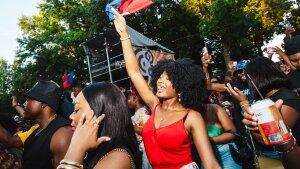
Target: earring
179	97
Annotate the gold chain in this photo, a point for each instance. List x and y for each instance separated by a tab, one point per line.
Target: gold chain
50	119
120	150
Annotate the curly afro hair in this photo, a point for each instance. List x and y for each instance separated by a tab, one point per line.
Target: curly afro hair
187	78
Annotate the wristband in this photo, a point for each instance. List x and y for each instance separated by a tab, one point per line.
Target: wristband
71	163
122	39
289	150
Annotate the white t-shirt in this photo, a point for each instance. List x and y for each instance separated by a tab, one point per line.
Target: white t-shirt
139	118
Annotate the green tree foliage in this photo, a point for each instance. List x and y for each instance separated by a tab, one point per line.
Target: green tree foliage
5	86
240	26
50	45
52	38
168	23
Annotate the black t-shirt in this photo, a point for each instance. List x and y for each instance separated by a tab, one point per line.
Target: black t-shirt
295	77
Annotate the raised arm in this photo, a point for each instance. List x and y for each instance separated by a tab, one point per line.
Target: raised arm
284	57
132	65
8	139
17	106
210	86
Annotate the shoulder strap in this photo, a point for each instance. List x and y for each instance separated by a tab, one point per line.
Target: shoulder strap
185	116
153	111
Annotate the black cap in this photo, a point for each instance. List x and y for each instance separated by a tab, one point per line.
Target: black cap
293	46
46	92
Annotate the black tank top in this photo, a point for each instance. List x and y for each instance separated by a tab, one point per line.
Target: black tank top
37	153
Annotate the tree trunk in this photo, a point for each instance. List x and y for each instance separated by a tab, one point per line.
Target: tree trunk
226	53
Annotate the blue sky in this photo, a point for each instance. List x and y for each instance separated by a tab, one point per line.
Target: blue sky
10	11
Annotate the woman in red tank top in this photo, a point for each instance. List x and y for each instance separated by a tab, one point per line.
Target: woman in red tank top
175	101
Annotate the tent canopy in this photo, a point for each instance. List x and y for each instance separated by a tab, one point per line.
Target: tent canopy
113	39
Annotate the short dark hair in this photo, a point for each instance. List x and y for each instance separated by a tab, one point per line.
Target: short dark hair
266	75
293	46
106	98
187	78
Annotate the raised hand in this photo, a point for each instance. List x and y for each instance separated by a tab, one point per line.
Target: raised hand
14	101
289	31
235	93
251	120
279	51
85	136
120	25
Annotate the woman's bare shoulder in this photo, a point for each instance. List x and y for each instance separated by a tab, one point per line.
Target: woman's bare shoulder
116	159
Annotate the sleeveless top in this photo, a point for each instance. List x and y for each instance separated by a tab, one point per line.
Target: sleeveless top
212	129
290	99
37	154
167	147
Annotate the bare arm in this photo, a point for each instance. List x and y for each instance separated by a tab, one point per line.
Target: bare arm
290	115
132	65
284	57
199	133
17	106
211	86
291	159
226	123
59	144
8	139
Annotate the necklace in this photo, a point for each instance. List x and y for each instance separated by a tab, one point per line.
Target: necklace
49	120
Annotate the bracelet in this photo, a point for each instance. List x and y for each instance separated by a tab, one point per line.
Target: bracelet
244	105
245	102
71	164
122	39
66	166
289	150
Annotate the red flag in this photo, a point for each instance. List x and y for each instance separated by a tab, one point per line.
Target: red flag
132	6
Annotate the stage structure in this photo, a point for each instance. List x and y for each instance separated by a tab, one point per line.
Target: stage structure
105	58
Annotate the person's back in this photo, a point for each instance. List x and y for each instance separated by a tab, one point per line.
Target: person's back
218	122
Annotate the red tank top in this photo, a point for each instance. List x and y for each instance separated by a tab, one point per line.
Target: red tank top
168	147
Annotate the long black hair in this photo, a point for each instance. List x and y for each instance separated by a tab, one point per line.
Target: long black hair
106	98
187	78
266	75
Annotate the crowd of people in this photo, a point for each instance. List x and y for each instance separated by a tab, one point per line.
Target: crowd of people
185	118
